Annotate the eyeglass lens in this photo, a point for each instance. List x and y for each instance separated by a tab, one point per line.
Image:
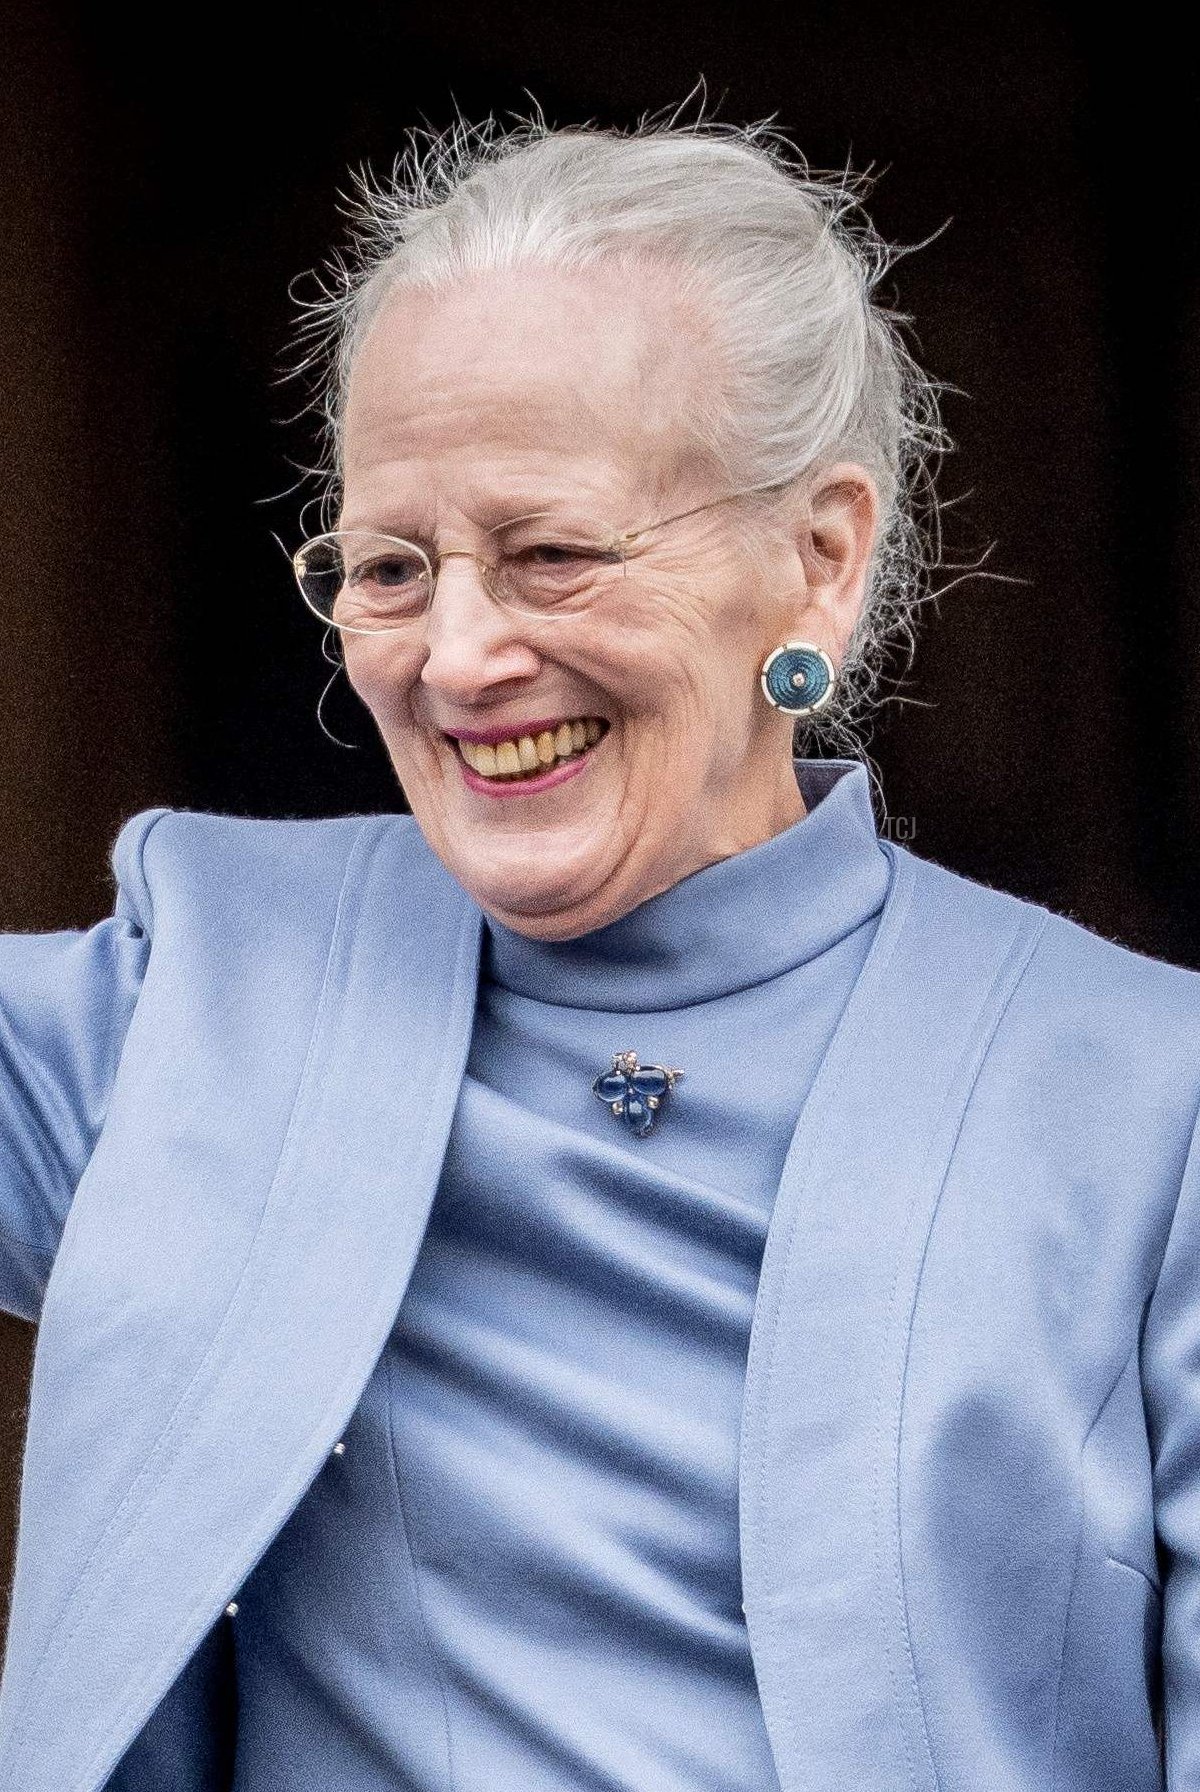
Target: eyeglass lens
363	581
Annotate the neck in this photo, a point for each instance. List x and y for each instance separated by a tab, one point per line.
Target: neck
762	818
736	922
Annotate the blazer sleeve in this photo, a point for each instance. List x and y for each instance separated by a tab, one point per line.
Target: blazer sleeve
1171	1386
66	1001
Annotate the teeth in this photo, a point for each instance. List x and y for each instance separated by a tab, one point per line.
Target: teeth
513	758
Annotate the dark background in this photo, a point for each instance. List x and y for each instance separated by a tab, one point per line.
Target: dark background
161	185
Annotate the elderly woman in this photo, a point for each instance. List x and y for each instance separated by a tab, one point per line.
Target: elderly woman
624	1278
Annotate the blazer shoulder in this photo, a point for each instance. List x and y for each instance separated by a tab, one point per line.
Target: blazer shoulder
1075	968
160	853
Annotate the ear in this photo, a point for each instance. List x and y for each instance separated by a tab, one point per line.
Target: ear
835	538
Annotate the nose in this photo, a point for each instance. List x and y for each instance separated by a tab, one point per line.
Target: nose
473	642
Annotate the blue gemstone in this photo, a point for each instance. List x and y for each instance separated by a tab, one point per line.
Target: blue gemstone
650	1080
612	1086
638	1115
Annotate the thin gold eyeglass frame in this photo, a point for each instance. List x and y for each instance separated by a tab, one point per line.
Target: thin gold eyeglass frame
620	544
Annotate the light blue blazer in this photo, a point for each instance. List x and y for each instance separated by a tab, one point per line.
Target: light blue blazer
970	1452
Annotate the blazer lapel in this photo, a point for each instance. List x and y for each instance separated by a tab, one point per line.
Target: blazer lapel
247	1416
822	1572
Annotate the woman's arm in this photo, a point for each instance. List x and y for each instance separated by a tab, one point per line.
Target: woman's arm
66	1001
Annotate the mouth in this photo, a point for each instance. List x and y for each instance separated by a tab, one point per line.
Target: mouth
534	760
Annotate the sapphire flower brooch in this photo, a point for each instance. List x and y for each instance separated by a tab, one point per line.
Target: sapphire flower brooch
636	1093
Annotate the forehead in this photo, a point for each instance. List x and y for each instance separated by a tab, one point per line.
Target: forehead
526	375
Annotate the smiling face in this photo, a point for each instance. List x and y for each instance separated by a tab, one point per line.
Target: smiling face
532	391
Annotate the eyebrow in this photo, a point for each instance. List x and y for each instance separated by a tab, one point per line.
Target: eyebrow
389	523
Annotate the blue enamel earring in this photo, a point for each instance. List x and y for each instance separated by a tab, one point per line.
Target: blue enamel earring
798	678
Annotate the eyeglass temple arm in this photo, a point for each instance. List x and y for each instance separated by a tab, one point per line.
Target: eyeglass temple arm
630	535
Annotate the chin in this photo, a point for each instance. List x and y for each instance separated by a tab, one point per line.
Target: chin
525	874
552	925
539	902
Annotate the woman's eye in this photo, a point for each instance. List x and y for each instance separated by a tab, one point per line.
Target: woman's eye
390	570
551	554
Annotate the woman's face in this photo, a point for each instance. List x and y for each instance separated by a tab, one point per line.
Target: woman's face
527	391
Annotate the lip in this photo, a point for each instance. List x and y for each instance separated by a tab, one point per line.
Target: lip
557	774
490	737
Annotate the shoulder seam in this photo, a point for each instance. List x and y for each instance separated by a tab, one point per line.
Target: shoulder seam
1060	919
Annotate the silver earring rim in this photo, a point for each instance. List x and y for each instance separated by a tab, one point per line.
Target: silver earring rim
808	709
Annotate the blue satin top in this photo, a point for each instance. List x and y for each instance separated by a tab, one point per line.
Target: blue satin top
520	1572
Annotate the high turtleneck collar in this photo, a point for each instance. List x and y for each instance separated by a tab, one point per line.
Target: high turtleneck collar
726	927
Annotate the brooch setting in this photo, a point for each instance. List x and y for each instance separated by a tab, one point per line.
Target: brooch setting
636	1093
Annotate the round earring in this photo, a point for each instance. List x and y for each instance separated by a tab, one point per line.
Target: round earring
798	678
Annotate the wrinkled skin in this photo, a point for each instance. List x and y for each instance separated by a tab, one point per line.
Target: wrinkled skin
527	390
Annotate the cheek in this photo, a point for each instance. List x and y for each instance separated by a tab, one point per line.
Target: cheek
691	656
383	674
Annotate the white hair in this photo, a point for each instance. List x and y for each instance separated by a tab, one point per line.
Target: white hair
783	261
